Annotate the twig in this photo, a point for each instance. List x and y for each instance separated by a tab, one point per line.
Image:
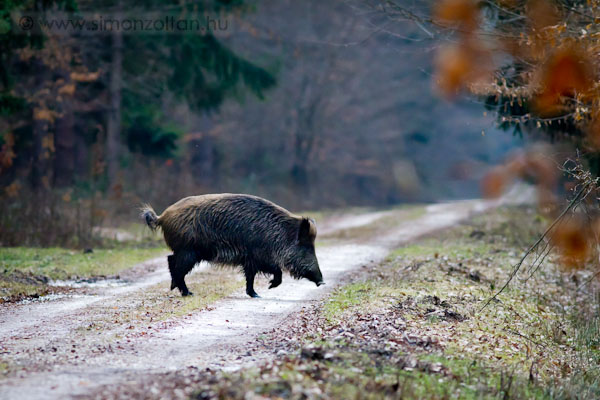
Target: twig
537	258
541	261
587	281
525	337
537	242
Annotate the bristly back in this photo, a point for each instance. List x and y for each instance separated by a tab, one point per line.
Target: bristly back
229	222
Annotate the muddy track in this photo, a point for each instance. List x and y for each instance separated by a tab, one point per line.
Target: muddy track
73	346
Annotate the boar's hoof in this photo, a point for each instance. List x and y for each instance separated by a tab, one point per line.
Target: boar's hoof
253	295
274	284
320	283
187	293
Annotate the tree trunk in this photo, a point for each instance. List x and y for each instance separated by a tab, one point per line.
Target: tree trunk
304	141
64	141
113	130
41	171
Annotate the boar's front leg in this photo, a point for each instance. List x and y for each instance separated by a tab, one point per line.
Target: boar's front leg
276	281
250	273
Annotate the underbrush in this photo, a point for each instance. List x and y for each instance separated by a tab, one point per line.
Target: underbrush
79	217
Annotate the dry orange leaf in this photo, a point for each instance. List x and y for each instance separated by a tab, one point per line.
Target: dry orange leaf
12	190
543	170
593	132
573	240
7	155
85	76
456	12
567	72
44	114
542	13
453	66
68	89
517	164
67	197
546	199
494	182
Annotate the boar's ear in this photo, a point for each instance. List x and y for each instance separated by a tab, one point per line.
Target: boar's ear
307	232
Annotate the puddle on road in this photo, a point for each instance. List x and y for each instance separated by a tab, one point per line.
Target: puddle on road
51	297
90	283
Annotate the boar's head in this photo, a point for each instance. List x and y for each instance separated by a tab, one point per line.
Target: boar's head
303	262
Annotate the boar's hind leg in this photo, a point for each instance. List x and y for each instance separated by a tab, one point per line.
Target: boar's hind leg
180	264
250	273
171	260
276	281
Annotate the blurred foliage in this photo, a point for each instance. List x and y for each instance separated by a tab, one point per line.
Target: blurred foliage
147	130
60	91
532	61
535	63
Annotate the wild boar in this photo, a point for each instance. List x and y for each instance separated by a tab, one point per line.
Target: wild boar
237	230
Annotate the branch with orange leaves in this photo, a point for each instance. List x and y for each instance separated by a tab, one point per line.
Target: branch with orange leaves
579	196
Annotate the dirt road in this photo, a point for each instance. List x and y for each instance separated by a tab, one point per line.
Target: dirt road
72	346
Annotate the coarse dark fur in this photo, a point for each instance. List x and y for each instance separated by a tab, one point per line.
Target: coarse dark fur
237	230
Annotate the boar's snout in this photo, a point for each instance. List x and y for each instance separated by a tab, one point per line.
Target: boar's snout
308	268
314	275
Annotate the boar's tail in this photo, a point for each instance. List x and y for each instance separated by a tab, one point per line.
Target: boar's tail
148	214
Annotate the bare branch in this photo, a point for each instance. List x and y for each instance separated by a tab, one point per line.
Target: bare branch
578	197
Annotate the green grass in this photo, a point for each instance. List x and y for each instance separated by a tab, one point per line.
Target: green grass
346	298
465	378
433	248
14	291
58	263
